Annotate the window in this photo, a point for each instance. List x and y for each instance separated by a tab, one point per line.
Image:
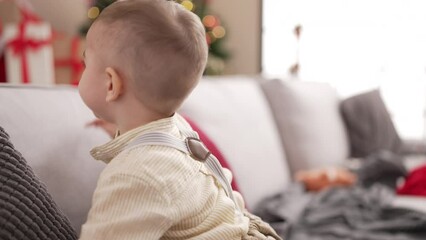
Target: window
354	45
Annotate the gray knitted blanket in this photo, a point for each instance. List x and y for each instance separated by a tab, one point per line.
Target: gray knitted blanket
27	211
354	213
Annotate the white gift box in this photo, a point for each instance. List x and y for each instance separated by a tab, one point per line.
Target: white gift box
37	56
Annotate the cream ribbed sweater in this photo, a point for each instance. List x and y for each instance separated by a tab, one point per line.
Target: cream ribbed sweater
157	192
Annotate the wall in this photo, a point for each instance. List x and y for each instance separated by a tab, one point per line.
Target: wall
67	15
242	19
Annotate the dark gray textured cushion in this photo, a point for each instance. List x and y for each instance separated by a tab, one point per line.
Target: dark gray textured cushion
27	210
369	125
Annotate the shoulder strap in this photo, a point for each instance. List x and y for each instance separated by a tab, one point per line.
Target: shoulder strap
192	146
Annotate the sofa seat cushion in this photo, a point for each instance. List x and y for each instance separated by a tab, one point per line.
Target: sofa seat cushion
308	118
235	114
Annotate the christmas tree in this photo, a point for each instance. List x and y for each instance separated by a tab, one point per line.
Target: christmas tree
215	32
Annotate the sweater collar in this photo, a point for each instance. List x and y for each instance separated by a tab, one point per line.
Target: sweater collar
111	149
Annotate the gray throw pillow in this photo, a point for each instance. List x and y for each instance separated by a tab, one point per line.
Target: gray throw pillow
27	211
369	125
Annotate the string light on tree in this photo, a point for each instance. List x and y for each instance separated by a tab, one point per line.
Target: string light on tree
218	32
214	29
210	21
215	34
93	12
188	5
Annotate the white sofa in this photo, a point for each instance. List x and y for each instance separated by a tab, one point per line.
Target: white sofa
48	126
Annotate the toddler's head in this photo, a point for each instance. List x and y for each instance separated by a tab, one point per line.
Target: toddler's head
157	47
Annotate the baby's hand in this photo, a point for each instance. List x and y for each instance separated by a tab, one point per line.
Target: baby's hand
109	128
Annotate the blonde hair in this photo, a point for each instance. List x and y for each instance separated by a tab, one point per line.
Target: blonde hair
163	46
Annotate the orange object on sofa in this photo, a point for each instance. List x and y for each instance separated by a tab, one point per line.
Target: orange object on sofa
319	179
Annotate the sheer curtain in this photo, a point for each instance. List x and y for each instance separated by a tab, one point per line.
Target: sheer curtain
354	45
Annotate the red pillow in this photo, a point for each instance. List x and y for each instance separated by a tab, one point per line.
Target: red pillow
214	150
2	68
415	183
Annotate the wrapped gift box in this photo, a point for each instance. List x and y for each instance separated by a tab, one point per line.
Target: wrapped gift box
68	54
9	13
28	53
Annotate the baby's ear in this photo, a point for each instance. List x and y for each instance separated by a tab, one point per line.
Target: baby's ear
114	84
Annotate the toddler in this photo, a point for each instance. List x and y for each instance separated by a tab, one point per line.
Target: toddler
143	58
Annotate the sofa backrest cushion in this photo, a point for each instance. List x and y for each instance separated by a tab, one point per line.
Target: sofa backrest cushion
48	126
308	118
235	114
